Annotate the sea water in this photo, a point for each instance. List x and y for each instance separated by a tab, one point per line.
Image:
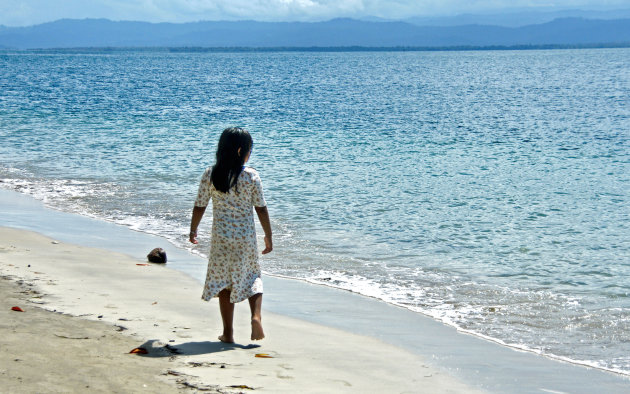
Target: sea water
487	189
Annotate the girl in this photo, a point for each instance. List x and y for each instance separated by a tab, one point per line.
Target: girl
233	269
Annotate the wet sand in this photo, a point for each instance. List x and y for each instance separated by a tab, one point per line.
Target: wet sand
86	308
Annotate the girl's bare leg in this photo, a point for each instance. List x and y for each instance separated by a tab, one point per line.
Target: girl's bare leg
255	304
227	314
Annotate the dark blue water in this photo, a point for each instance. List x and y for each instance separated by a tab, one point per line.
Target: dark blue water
490	190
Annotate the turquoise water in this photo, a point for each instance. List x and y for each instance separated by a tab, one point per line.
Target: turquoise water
490	190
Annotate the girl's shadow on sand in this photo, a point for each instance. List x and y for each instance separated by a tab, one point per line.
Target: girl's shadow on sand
155	348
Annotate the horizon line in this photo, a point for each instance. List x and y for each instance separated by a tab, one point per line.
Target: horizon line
350	48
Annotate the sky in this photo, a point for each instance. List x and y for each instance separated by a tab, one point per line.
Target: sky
30	12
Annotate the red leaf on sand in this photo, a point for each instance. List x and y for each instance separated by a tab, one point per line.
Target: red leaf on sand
142	264
139	350
17	309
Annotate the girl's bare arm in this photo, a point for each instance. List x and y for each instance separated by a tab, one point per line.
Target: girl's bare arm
197	214
263	216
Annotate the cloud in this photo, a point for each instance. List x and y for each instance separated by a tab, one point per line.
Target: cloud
259	9
28	12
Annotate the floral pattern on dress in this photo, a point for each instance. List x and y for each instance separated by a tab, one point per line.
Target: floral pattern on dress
233	261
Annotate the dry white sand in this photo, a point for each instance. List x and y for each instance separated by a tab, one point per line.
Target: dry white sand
156	306
42	351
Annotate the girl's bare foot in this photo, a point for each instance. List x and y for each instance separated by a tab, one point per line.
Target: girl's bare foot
257	330
226	339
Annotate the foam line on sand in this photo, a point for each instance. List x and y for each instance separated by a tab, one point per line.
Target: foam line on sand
159	309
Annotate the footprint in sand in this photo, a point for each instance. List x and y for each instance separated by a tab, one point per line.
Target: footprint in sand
345	383
280	375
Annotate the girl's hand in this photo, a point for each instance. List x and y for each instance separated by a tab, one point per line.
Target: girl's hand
268	245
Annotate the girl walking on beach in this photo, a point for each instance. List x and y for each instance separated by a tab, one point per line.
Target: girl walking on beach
233	269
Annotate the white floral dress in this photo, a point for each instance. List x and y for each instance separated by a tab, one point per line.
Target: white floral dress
233	262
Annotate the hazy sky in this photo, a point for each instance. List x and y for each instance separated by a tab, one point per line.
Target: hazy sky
28	12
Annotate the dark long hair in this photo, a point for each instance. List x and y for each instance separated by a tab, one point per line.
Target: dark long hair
229	159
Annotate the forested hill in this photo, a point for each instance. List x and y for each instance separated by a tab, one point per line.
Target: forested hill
71	33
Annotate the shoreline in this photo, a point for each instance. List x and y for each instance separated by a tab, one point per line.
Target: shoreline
158	309
196	268
498	342
474	361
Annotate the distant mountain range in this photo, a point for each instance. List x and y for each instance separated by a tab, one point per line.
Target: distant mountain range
72	33
517	18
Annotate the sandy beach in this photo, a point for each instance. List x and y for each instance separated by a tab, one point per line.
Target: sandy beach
46	351
85	309
88	303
